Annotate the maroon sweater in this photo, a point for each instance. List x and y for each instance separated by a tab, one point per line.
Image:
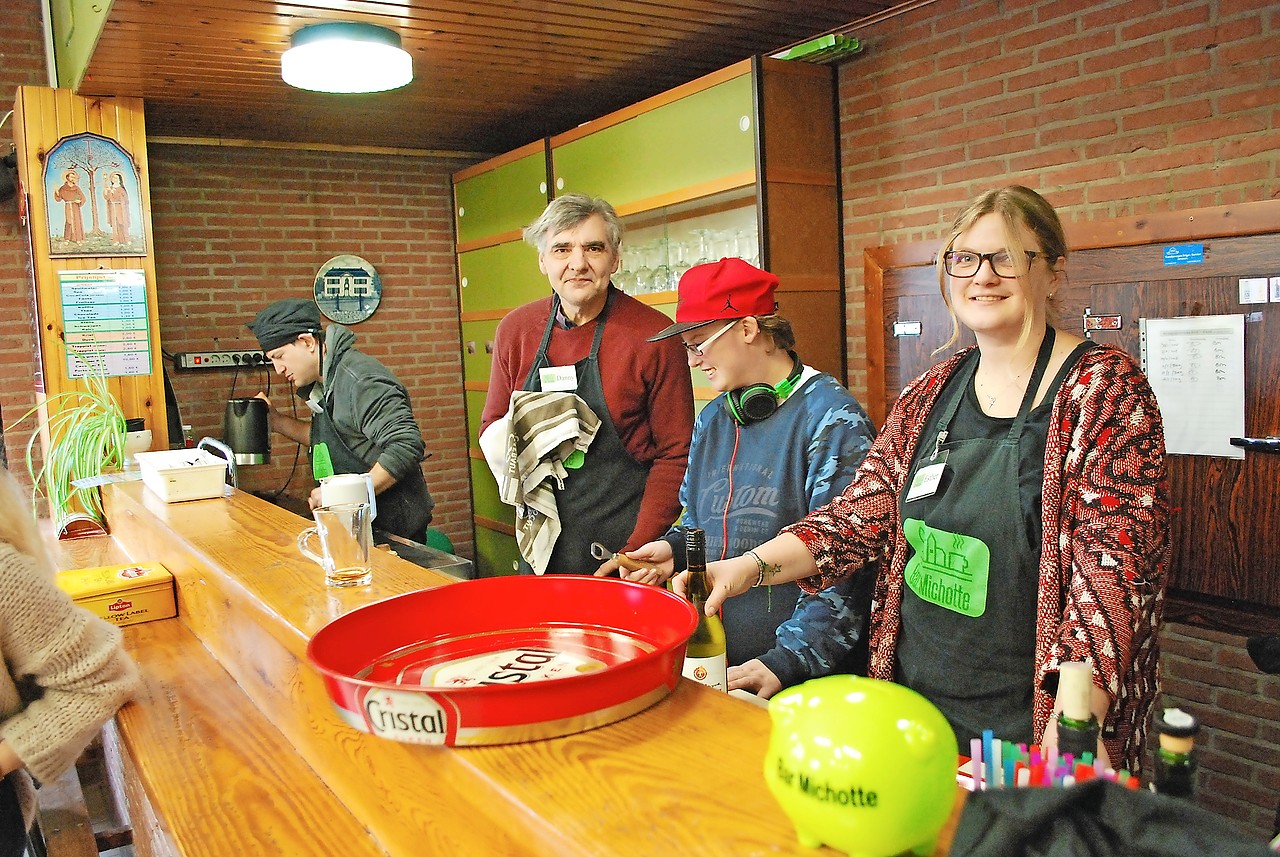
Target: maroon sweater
646	385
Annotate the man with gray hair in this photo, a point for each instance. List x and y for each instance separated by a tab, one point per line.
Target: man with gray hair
590	338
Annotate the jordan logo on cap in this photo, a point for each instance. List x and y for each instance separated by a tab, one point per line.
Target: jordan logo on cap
728	304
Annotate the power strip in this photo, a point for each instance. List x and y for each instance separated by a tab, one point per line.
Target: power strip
219	359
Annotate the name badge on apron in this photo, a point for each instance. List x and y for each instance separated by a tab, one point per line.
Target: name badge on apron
558	379
927	478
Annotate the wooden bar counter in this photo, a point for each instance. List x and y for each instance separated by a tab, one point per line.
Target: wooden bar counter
682	776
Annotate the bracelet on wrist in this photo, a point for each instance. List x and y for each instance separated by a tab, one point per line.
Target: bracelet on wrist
760	565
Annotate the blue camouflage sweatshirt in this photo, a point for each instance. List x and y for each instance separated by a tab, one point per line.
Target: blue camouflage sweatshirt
743	485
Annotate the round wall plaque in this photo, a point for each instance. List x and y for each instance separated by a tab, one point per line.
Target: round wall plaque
347	289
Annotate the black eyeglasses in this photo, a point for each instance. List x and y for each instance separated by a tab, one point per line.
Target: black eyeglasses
964	263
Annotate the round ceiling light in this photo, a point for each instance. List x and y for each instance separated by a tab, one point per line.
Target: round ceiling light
346	57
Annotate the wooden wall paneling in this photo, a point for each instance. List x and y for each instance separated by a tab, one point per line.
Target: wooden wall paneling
1170	227
803	225
800	206
820	328
797	99
904	354
42	116
902	286
1226	534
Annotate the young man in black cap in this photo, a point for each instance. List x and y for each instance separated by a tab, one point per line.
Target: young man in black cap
359	410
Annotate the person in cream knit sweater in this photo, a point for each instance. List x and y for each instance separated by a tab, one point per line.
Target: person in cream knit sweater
65	672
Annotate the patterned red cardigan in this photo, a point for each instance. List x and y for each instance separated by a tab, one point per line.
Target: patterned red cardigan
1103	556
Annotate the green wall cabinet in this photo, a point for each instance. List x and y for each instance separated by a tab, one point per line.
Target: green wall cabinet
485	493
499	277
503	198
496	553
477	348
703	137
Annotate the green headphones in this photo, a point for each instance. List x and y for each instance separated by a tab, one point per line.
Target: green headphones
756	402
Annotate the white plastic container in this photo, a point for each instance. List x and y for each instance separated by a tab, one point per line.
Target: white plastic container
183	474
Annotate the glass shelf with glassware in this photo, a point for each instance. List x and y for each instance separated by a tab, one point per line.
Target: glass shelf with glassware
659	245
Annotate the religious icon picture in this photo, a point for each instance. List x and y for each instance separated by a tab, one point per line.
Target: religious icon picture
93	199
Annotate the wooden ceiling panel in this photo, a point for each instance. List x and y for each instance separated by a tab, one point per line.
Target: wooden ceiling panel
488	76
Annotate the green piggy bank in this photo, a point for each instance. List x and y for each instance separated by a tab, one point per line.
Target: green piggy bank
865	766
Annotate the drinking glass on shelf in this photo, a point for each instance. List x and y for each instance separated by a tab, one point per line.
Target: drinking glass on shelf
738	245
681	263
704	246
722	244
661	279
751	247
625	278
644	273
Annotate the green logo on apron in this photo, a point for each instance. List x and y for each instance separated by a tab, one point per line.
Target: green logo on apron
948	569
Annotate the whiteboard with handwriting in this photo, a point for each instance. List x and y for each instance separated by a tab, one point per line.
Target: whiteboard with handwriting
1196	367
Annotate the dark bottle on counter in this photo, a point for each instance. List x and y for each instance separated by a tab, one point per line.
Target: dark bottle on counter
1077	727
704	660
1175	758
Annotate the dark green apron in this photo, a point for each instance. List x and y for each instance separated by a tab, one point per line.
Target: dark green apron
600	501
404	509
967	641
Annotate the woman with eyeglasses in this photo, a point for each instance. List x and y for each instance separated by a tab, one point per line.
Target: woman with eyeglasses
1017	498
781	440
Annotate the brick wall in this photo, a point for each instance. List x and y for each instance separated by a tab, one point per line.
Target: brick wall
21	64
1210	675
236	228
1110	109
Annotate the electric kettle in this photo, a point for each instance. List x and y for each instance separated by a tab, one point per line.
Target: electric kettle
244	428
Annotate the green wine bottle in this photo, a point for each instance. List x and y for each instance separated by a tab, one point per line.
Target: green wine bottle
1176	756
704	660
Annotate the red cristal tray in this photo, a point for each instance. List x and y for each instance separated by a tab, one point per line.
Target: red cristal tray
504	659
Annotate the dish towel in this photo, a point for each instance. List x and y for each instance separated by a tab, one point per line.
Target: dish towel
526	450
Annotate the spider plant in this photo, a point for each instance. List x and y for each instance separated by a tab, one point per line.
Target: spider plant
84	432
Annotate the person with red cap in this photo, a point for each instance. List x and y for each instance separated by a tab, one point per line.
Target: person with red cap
781	440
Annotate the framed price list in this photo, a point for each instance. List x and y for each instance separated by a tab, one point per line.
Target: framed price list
104	320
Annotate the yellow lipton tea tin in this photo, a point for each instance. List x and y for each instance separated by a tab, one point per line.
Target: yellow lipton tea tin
122	594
